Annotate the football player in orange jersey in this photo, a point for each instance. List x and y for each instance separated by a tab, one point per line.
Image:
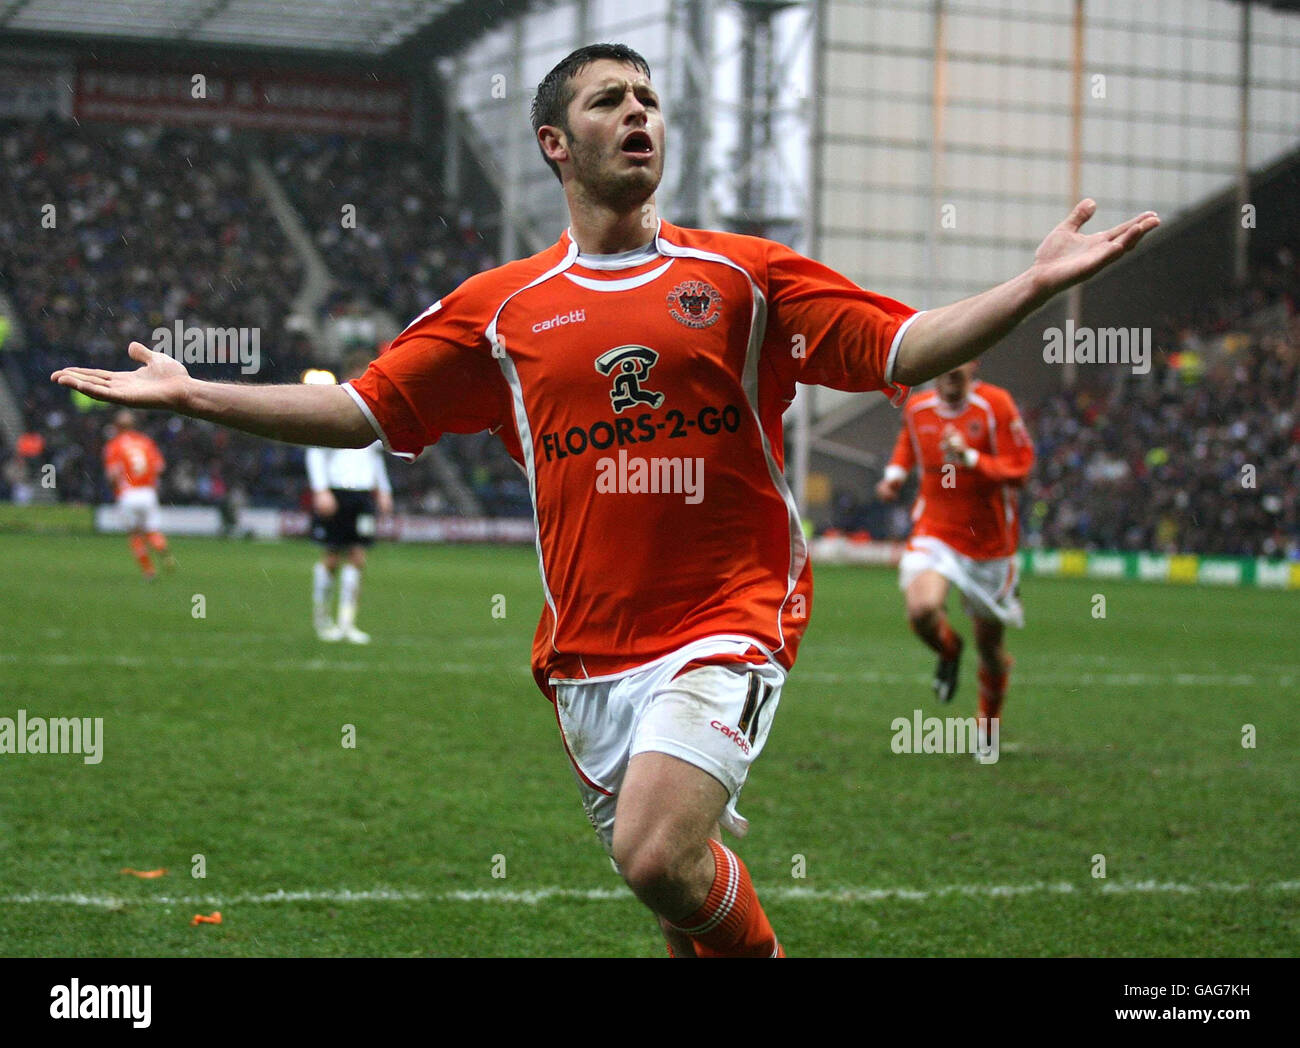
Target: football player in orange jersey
971	448
668	625
133	462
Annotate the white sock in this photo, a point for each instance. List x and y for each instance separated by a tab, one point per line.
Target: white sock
322	583
349	588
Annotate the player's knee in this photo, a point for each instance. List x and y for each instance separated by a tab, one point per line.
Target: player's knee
652	868
923	615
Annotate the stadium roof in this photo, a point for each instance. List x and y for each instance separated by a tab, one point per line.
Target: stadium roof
352	27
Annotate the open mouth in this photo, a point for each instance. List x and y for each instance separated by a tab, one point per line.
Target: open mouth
638	144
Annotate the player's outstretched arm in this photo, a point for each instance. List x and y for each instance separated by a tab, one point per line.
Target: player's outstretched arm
316	415
942	339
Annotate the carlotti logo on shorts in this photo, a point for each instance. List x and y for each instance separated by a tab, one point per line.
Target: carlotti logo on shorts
738	737
695	304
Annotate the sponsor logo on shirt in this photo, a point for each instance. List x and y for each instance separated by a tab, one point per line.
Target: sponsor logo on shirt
629	366
695	304
639	429
574	316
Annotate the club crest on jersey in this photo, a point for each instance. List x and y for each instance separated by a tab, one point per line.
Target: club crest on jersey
629	366
695	304
974	428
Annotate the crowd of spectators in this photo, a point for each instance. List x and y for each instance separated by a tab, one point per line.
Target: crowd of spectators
112	232
379	217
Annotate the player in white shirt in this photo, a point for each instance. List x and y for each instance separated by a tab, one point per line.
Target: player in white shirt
347	486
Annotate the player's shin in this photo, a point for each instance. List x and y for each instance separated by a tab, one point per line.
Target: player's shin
936	633
993	689
322	588
731	922
140	550
349	591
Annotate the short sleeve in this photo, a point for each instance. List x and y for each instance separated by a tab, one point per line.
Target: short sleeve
437	377
824	330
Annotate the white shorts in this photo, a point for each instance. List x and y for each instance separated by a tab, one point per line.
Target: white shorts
989	588
138	508
715	717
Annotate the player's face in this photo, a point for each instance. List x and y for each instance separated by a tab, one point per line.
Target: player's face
616	134
953	385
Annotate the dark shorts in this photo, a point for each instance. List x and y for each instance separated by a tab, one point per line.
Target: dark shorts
353	524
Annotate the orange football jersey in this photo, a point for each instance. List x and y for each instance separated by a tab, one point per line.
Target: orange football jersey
975	510
132	461
642	395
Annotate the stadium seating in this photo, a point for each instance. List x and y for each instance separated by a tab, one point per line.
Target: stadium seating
150	226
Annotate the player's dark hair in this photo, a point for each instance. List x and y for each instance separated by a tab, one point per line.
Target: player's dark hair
554	93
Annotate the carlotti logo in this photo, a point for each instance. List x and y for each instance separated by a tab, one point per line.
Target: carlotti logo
731	733
695	304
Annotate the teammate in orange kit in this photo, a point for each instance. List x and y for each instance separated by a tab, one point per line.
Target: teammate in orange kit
133	462
973	453
627	359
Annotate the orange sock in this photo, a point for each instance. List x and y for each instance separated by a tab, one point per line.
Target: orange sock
993	689
731	923
949	642
158	541
140	551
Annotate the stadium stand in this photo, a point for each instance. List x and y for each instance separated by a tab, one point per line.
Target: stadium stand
121	259
410	243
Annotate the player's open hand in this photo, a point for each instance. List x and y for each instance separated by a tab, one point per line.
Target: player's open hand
887	490
1067	256
160	383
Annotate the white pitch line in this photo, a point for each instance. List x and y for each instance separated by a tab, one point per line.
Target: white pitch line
1111	680
321	664
533	896
333	664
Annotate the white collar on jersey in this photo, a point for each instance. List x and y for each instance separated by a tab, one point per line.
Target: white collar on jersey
621	259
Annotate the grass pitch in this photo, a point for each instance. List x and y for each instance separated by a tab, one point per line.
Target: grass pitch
223	738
